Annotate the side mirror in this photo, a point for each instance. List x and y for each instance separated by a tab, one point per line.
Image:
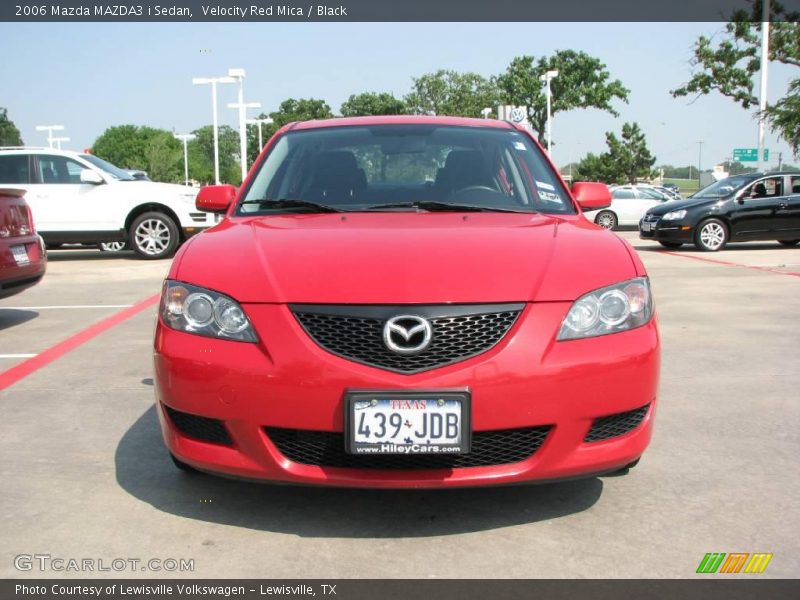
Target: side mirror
215	198
93	177
591	196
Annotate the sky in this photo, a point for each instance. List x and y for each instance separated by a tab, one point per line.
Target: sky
90	76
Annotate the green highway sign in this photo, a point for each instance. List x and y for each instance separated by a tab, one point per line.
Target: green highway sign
749	154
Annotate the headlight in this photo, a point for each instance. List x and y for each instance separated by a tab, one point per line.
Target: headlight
611	309
674	215
196	310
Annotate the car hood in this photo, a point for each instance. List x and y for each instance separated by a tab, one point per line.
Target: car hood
404	258
664	208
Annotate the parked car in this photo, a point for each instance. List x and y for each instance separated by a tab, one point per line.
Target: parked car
629	203
755	206
670	192
406	302
673	188
23	260
80	198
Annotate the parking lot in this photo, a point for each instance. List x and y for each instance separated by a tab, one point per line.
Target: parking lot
86	474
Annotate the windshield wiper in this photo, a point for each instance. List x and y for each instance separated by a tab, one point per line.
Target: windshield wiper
433	206
286	203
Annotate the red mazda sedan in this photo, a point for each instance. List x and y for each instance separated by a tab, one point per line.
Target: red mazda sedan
406	302
23	260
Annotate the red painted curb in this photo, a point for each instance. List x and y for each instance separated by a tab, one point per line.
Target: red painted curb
25	368
733	264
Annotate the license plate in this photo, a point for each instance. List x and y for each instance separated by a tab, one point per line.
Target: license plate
20	255
647	226
407	422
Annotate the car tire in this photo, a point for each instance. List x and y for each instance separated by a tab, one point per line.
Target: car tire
789	243
112	246
606	219
154	235
53	246
182	465
671	245
711	235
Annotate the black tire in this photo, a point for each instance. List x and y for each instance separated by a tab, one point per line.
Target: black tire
711	235
606	219
53	246
672	245
182	465
789	243
154	235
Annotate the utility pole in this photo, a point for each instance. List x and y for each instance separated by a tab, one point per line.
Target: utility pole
699	163
185	138
547	78
763	101
260	122
213	81
780	161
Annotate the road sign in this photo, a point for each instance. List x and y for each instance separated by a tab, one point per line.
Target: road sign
749	154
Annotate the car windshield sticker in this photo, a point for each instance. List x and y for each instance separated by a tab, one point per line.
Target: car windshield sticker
545	186
519	146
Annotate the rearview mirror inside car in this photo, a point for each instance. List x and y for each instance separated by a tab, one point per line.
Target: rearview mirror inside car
93	177
591	196
215	198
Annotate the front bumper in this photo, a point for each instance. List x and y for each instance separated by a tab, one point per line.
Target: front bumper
666	231
287	381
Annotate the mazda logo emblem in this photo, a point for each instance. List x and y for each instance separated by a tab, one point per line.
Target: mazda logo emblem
407	334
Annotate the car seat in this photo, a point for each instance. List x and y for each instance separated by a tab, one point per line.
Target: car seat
337	178
463	169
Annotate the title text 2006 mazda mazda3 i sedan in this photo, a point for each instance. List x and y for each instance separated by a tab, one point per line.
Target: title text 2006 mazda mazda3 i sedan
406	302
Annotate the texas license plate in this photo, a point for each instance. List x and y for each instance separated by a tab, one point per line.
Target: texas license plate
20	254
647	226
407	422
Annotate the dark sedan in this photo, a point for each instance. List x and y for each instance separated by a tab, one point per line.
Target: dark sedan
742	208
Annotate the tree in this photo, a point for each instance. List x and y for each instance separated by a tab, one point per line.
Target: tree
9	134
201	155
452	93
140	147
289	111
371	103
582	82
626	160
728	66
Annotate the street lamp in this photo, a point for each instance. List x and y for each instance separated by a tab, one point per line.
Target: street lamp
486	112
185	138
58	141
547	78
763	99
50	129
260	122
238	75
213	81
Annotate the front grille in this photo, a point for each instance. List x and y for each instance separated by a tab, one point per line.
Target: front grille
615	425
327	449
199	428
356	332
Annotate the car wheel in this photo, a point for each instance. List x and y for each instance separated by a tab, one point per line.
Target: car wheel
112	246
154	235
789	242
606	219
711	235
182	465
672	245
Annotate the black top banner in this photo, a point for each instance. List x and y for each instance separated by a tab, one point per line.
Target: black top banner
382	10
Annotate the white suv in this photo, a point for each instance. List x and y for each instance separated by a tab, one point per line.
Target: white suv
79	198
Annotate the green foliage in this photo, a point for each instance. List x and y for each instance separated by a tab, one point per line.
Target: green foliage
582	82
201	155
452	93
146	148
289	111
627	159
371	103
9	134
729	65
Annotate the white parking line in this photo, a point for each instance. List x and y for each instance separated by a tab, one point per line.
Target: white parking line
68	306
17	355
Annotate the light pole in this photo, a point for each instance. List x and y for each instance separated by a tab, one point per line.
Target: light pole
50	129
486	112
213	81
699	164
764	64
238	75
547	78
185	138
260	122
58	141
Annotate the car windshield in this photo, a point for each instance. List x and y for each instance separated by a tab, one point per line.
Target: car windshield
106	166
405	167
724	187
